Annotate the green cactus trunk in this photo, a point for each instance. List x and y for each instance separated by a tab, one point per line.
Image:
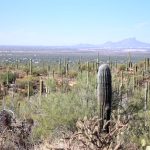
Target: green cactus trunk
104	95
97	63
17	64
136	68
7	79
116	65
67	69
145	65
48	69
87	73
134	82
28	92
59	67
53	74
146	96
30	65
148	64
41	87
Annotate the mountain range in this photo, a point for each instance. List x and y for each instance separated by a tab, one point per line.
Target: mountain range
130	43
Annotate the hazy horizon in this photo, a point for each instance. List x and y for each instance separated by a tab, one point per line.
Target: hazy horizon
71	22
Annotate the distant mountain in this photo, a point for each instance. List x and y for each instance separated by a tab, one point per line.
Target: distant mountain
84	46
131	43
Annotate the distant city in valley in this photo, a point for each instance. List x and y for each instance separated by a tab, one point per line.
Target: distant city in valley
123	46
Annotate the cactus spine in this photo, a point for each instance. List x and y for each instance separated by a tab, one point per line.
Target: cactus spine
104	95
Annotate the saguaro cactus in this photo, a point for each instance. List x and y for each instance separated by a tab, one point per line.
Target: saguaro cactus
136	68
28	92
148	64
87	73
146	96
104	95
17	64
59	66
67	69
145	65
7	79
41	86
30	66
48	69
116	64
97	63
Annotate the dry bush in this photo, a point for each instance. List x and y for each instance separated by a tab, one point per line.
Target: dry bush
14	134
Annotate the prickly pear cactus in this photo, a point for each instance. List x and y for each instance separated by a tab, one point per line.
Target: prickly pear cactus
104	95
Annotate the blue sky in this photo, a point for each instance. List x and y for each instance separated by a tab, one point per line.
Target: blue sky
68	22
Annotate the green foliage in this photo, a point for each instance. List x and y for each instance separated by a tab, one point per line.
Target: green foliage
39	71
51	84
122	67
139	120
72	74
65	103
7	76
59	109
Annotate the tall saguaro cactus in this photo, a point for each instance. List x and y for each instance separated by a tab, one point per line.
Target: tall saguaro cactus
41	86
30	66
87	73
7	79
17	64
104	95
148	64
28	92
146	96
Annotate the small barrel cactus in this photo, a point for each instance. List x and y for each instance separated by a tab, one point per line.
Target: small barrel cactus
104	95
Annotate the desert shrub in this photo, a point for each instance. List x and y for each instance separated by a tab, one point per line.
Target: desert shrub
51	84
122	67
59	109
39	71
11	77
140	64
73	74
22	84
26	69
85	68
